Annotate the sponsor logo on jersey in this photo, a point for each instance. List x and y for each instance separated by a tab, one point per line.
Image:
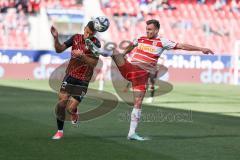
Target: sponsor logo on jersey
146	48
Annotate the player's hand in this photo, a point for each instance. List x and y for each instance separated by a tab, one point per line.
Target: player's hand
77	53
54	32
207	51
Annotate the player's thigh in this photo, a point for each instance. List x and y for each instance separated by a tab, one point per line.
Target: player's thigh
63	95
139	79
130	71
62	99
77	89
139	86
73	87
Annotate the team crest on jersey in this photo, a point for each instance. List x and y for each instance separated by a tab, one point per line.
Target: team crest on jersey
154	43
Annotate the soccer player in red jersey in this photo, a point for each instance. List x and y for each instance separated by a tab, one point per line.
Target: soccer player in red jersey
78	73
146	51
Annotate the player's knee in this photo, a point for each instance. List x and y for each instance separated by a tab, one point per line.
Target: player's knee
62	100
138	102
63	97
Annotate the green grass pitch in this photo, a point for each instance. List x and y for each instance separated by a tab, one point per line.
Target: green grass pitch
212	131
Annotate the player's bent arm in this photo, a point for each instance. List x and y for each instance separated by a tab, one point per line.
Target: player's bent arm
59	48
92	62
129	48
189	47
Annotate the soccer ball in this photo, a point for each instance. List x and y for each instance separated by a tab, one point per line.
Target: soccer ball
101	24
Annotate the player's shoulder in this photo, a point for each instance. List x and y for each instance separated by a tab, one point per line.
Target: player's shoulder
141	39
77	36
158	38
162	39
166	40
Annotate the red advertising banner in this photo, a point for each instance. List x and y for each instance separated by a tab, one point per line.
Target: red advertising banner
26	71
39	71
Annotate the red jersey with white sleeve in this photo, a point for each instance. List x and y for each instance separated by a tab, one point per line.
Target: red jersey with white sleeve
143	60
149	50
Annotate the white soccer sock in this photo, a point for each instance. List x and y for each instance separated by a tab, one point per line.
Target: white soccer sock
135	117
60	131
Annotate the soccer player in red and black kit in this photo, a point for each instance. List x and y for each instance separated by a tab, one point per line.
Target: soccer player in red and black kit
78	73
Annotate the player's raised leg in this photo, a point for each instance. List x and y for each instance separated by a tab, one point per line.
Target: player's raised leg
119	58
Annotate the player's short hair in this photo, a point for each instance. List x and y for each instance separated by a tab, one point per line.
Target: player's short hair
90	25
154	22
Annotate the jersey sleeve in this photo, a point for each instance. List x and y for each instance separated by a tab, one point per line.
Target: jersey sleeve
69	42
167	44
136	40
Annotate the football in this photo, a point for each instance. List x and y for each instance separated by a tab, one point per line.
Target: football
101	23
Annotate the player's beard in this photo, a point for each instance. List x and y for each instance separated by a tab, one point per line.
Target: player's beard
151	35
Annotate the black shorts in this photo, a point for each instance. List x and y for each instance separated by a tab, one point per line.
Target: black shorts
75	87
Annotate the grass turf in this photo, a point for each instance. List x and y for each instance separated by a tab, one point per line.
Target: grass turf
211	129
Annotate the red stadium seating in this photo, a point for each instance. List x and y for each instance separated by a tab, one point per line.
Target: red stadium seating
223	25
126	23
14	27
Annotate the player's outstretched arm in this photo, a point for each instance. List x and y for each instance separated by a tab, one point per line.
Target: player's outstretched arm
189	47
57	45
130	47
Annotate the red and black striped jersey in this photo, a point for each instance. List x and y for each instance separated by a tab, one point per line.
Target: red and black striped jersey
76	68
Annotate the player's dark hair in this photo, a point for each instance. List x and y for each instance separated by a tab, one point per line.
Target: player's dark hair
154	22
90	25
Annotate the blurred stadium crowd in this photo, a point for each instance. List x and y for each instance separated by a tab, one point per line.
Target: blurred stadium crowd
203	22
210	23
14	24
33	6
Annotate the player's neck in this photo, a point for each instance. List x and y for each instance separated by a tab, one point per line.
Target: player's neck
154	37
